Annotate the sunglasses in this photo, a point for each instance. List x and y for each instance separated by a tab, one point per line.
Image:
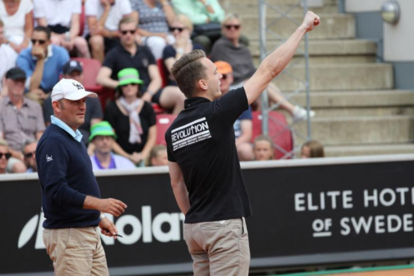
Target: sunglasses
41	41
128	31
236	27
132	84
6	155
173	29
29	154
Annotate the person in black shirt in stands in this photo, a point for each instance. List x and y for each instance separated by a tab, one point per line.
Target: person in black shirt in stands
204	169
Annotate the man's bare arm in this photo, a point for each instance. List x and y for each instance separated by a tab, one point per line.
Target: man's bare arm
273	64
179	188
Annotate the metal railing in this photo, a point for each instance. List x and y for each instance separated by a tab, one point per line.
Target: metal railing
266	34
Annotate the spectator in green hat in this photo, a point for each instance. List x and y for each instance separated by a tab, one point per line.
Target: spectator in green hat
132	117
103	137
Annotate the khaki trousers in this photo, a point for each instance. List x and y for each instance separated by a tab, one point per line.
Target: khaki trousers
76	251
219	247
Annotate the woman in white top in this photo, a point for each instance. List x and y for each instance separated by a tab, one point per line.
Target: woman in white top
18	22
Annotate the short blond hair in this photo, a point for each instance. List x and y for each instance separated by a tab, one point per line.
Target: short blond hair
127	20
231	16
185	21
4	143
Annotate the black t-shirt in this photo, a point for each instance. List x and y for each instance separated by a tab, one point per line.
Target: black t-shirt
93	111
120	123
201	140
119	58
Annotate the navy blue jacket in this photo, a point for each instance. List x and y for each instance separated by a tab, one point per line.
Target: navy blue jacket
66	178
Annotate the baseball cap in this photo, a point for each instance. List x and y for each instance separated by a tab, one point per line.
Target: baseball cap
71	90
102	129
15	74
72	65
128	75
223	67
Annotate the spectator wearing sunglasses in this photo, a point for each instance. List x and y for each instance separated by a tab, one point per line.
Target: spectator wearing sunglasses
29	153
206	15
181	29
20	118
228	48
154	18
133	118
103	17
4	156
18	22
43	63
63	18
131	55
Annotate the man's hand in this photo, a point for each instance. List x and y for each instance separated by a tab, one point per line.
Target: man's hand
96	29
38	52
111	206
311	21
108	228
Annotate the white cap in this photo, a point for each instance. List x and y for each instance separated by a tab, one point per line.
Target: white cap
71	90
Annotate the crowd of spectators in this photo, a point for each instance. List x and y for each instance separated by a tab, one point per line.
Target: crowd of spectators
137	42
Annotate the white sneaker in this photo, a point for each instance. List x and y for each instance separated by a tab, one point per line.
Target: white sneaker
300	113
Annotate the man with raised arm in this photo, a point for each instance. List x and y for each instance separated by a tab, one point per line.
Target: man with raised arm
204	169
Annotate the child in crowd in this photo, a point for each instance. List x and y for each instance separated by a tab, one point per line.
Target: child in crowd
312	149
158	156
263	148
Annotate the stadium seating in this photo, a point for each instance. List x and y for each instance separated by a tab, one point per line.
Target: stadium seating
91	69
163	123
158	109
278	130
